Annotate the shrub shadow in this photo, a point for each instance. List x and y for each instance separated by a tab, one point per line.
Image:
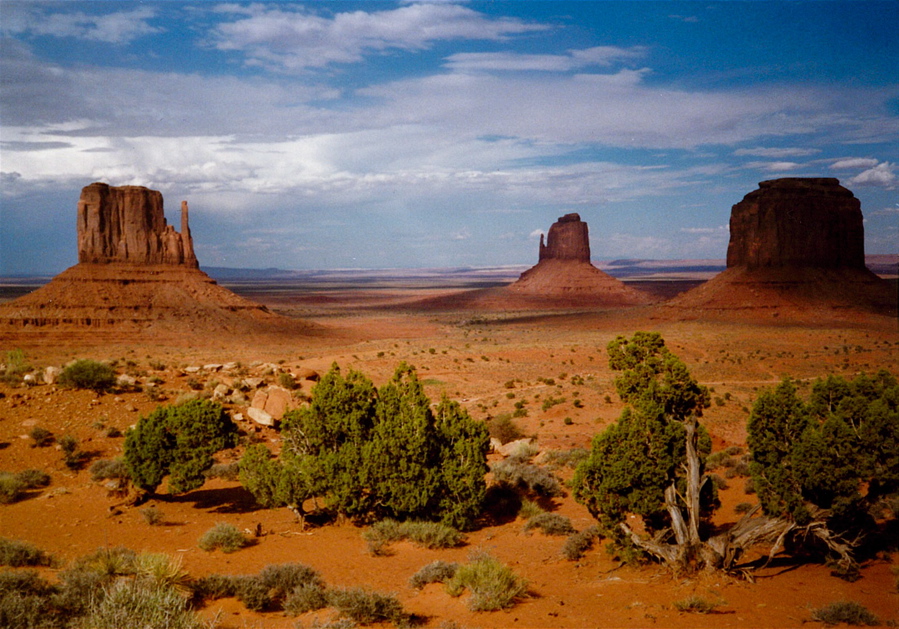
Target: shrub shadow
223	500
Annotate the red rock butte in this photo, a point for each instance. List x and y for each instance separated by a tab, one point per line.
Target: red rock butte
796	250
135	274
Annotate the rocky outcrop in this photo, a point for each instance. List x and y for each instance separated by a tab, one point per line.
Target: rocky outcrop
796	253
127	224
565	275
136	276
796	222
568	239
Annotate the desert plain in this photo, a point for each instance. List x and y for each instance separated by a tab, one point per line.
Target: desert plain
488	360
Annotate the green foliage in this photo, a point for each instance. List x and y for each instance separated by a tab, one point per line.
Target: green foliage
434	572
178	441
152	515
848	612
380	453
634	460
15	367
16	554
515	474
839	451
223	536
272	482
11	488
305	598
25	601
493	586
504	429
109	469
88	374
550	524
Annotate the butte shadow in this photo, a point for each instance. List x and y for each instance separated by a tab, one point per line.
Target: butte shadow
137	278
796	254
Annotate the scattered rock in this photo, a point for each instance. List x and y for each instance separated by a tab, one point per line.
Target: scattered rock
260	416
51	374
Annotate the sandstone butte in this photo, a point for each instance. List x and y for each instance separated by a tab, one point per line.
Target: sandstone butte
796	250
135	274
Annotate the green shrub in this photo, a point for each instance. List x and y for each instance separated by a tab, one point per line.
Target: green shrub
40	437
33	479
109	469
550	524
25	601
579	542
434	572
223	536
138	605
424	534
253	593
287	381
11	488
282	579
225	471
214	586
504	429
493	586
178	441
163	570
565	458
848	612
88	374
366	607
696	605
16	554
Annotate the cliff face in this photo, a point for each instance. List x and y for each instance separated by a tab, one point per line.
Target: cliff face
795	222
127	224
567	239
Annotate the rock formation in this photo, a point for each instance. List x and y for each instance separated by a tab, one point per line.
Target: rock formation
127	224
796	251
564	270
567	240
796	222
135	275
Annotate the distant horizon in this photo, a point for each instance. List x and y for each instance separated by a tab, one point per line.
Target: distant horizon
403	134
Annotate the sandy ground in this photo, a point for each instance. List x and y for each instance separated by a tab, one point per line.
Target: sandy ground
471	357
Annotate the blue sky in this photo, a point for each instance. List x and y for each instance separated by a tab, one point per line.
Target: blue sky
439	134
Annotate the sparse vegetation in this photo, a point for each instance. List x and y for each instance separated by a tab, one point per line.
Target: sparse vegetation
550	524
424	534
434	572
367	607
527	477
223	536
696	605
88	374
847	612
152	515
503	429
493	586
16	554
40	437
579	543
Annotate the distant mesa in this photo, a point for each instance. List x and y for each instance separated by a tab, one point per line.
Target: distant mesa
135	274
796	249
564	270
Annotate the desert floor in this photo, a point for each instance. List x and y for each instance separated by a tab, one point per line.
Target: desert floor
487	361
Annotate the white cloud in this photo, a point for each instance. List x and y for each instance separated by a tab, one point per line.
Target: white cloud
596	56
852	163
881	176
775	153
535	235
704	230
774	167
120	27
300	39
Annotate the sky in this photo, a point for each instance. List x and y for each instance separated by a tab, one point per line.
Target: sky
337	135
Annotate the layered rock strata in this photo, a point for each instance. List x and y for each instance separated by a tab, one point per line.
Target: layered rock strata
796	251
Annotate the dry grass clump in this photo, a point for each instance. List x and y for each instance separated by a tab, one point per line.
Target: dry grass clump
696	605
224	537
434	572
493	586
848	612
579	542
526	476
425	534
16	554
550	524
366	607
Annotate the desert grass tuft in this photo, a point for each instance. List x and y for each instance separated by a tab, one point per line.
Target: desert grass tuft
493	586
550	524
434	572
848	612
425	534
224	537
16	554
367	607
696	605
